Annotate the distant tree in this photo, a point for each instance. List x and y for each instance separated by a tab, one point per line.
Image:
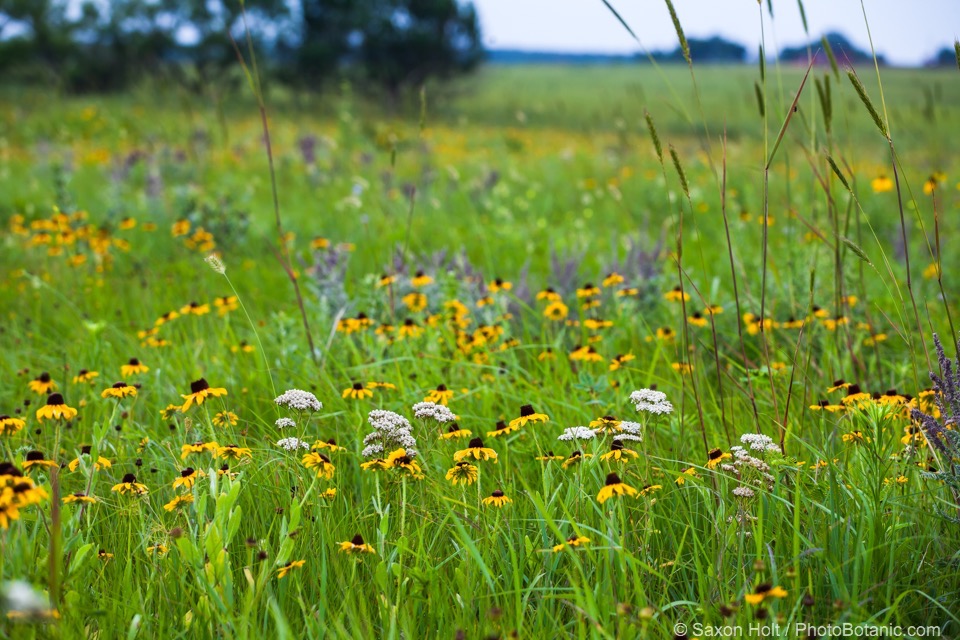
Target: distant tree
946	57
843	49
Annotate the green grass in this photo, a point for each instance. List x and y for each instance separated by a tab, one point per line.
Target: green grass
512	167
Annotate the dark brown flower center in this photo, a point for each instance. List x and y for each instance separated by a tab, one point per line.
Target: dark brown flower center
357	540
199	385
613	478
497	494
715	454
55	399
526	410
129	479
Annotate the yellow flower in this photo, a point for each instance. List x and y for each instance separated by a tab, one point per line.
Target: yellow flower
620	360
615	487
79	497
178	502
399	459
356	545
715	457
225	418
200	390
476	450
574	458
572	541
463	473
329	494
455	432
226	304
881	184
290	566
548	294
119	390
195	308
764	591
499	285
129	484
36	459
84	376
10	425
588	290
42	384
132	368
612	280
415	301
198	447
618	452
440	395
556	310
527	414
188	476
357	391
605	424
502	429
496	499
101	463
420	279
410	329
676	294
320	462
233	451
689	472
386	280
55	409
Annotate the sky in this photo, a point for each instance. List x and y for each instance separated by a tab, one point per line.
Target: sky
908	33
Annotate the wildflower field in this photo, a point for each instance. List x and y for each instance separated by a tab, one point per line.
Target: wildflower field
575	352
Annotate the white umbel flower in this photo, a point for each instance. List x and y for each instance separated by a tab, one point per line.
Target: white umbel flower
438	412
299	400
292	444
283	423
650	401
577	433
743	492
759	442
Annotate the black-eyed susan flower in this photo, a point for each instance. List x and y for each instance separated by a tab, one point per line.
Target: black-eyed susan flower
621	359
129	484
605	424
374	384
198	447
826	405
676	294
556	311
548	294
355	546
85	375
329	494
226	304
415	301
400	459
697	319
119	390
357	391
200	390
36	459
179	501
619	453
549	456
575	458
463	473
589	290
585	354
377	464
572	542
650	488
614	486
528	414
169	411
763	592
195	309
502	429
496	499
320	462
42	384
715	457
855	437
242	347
79	497
101	462
420	279
10	425
158	549
133	367
612	280
188	476
455	432
628	292
881	184
855	397
225	418
234	451
440	395
56	409
475	450
547	354
689	472
498	285
330	444
386	280
290	566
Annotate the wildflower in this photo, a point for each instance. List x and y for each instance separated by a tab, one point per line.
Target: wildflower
198	447
55	409
200	390
195	308
119	390
763	592
547	354
527	414
299	400
329	494
605	423
825	405
168	412
357	392
855	437
285	423
400	459
233	451
386	280
715	456
676	294
132	368
759	442
743	492
620	360
499	285
187	478
410	329
290	566
415	301
855	396
42	384
242	347
178	502
10	425
548	294
180	228
556	310
682	367
612	280
650	488
689	472
574	458
455	431
628	292
496	499
440	395
651	401
420	279
588	290
84	376
697	319
572	541
319	462
79	497
476	450
881	184
463	473
431	410
618	452
356	545
158	549
665	334
225	418
614	487
101	463
36	459
226	304
586	354
292	444
129	484
377	464
502	429
839	384
712	310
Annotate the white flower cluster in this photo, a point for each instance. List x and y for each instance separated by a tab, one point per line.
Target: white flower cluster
438	412
292	444
390	431
299	400
285	422
577	433
743	492
759	442
650	401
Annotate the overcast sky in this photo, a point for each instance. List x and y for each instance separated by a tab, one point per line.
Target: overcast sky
907	32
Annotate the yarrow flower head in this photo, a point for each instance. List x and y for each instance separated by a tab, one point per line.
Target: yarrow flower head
390	431
651	401
285	423
292	444
759	442
577	433
299	400
438	412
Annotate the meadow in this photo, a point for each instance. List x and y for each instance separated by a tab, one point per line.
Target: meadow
572	351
